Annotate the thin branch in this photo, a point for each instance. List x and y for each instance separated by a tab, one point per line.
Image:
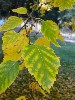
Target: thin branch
24	24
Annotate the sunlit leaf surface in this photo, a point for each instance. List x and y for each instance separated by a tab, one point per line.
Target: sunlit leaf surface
42	41
20	10
12	46
11	23
8	73
41	62
64	4
51	31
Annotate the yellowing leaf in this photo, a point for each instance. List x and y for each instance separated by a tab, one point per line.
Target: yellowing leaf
64	4
20	10
60	37
21	67
21	98
50	30
9	37
11	23
41	62
46	4
12	49
42	41
35	86
73	26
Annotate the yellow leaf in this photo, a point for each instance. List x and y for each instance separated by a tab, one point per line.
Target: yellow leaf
60	37
64	4
42	41
22	66
43	63
12	51
21	98
35	86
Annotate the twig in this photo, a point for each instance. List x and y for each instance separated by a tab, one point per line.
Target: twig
24	24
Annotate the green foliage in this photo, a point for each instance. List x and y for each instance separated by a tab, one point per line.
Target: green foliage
64	4
11	23
12	46
39	58
8	73
20	10
50	30
1	53
7	38
41	62
71	24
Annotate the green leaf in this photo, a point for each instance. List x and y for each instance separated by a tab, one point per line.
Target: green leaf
9	37
41	62
64	4
50	30
8	73
20	10
11	23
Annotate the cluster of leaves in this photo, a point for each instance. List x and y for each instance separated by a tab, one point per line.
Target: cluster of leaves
62	4
39	58
67	18
71	24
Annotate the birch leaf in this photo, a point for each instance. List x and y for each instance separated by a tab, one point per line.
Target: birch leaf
11	23
20	10
41	62
8	73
